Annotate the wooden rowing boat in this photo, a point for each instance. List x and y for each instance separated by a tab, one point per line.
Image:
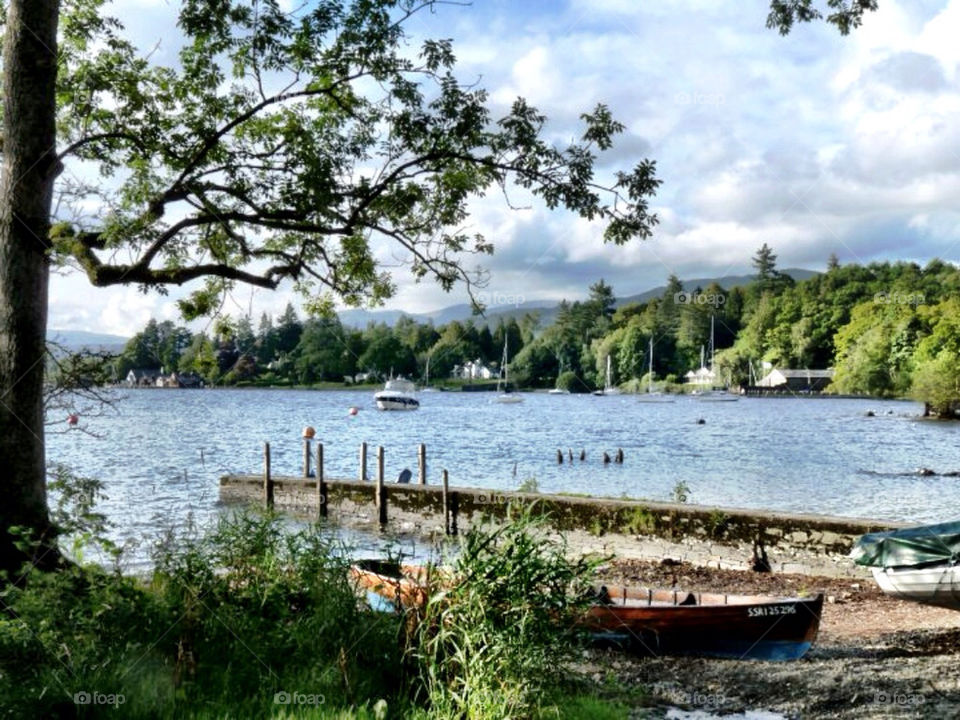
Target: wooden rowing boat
656	622
673	622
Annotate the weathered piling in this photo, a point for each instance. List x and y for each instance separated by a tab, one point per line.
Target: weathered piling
454	511
446	502
267	479
363	462
306	457
381	488
321	484
422	463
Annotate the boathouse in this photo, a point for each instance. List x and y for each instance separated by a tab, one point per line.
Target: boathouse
797	380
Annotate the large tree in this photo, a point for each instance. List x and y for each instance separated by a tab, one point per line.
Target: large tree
281	146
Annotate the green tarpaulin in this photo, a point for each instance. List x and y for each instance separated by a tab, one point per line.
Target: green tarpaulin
916	546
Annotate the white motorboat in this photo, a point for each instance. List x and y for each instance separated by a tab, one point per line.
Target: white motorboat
558	391
397	394
506	397
651	396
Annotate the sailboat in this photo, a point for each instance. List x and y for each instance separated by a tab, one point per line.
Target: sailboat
559	390
608	387
506	396
715	395
426	380
651	396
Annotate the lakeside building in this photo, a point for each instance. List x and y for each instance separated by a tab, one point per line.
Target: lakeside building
797	380
474	370
148	377
701	376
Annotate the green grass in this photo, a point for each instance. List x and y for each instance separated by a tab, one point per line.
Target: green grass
229	619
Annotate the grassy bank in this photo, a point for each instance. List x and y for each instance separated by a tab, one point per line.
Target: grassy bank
255	620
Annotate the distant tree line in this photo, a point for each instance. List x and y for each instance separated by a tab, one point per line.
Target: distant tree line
289	350
888	329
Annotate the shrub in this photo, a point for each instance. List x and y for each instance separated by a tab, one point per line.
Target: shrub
495	637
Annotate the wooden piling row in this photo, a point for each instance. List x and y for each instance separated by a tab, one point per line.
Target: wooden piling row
451	500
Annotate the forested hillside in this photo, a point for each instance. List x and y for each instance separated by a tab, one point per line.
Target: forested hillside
889	329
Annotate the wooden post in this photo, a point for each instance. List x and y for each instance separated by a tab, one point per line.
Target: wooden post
422	460
446	502
363	462
454	511
306	457
267	479
321	483
381	488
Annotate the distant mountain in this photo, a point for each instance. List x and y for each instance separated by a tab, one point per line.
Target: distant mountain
361	318
546	308
81	340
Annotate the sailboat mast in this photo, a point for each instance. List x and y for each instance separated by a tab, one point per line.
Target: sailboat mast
506	380
713	349
650	374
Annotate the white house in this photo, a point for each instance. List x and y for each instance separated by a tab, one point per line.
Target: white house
473	370
701	376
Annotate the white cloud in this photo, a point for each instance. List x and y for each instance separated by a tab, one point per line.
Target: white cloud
814	143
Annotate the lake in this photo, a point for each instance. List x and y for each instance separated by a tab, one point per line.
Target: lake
162	453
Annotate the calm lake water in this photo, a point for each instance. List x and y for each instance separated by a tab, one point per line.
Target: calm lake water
161	455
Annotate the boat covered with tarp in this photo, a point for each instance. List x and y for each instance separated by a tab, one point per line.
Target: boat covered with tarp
921	563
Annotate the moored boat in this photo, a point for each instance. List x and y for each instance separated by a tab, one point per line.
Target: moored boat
652	396
505	396
659	622
920	564
397	394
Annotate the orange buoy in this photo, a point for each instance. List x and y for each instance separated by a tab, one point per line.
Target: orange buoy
309	432
73	419
353	410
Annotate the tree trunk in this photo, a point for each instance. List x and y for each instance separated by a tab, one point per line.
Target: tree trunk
30	167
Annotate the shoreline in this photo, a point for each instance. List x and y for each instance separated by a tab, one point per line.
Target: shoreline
374	387
875	657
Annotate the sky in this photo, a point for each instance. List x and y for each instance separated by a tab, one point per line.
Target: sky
813	143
